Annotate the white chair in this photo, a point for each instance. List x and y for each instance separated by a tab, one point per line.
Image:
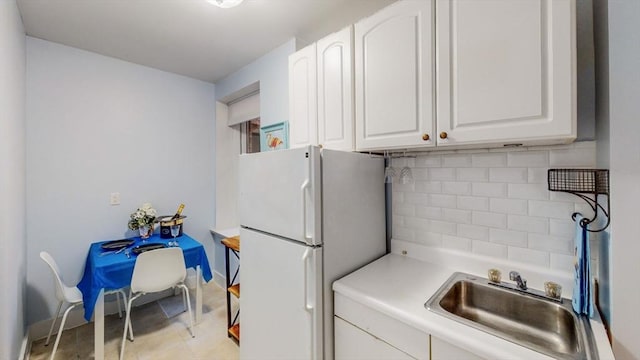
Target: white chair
155	271
71	295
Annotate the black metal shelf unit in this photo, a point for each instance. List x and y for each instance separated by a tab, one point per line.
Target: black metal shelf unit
583	183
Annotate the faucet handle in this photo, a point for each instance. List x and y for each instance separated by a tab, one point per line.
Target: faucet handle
513	275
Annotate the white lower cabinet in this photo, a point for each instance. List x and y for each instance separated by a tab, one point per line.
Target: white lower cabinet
442	350
364	333
353	343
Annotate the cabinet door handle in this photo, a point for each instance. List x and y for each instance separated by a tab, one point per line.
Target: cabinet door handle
425	137
443	135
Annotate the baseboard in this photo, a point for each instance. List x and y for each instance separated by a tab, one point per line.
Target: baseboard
219	279
75	318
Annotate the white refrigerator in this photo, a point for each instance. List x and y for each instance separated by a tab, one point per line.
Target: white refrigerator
308	217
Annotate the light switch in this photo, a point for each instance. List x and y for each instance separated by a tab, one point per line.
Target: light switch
114	199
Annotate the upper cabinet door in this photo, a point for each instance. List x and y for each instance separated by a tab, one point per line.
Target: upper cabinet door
303	106
505	71
394	77
335	90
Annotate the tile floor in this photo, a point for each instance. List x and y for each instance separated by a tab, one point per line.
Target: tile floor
156	336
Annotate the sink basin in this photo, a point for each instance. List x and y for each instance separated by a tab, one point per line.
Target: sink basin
545	326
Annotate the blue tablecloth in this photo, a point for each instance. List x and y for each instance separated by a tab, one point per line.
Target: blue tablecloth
114	271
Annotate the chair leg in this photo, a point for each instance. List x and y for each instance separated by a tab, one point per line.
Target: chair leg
53	323
186	291
127	325
184	299
64	319
117	293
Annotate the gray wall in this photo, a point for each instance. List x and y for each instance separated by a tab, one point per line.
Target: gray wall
12	189
97	125
620	99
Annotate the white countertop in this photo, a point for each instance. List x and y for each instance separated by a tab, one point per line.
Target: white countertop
398	286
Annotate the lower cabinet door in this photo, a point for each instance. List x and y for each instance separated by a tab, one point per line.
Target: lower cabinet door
353	343
442	350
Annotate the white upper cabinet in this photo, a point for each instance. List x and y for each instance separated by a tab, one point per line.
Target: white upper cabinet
505	71
335	90
303	106
394	77
465	73
321	93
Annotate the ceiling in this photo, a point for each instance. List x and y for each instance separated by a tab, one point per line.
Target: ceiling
188	37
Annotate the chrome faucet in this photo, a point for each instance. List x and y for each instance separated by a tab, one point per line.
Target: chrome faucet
520	282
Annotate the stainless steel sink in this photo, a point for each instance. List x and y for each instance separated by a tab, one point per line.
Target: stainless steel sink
545	326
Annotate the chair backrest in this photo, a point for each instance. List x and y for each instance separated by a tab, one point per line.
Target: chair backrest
61	287
158	270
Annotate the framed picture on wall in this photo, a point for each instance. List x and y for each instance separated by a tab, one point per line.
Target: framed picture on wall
274	136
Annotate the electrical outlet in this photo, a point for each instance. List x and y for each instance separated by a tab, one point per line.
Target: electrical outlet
114	199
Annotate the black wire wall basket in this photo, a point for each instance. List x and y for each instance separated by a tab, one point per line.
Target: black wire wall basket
588	184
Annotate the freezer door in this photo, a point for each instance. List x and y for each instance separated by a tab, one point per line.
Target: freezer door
281	301
279	193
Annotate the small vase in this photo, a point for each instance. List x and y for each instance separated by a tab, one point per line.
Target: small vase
145	232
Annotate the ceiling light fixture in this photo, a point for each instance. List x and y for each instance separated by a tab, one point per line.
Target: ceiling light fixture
225	4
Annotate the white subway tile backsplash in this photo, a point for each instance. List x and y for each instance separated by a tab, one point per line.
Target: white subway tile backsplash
418	174
508	175
508	237
428	212
473	203
558	245
472	174
528	191
489	219
417	224
444	174
489	189
530	159
442	200
538	225
493	202
508	206
529	256
403	233
551	209
416	198
404	210
489	249
559	227
457	160
458	188
474	232
455	242
489	160
429	238
562	262
429	161
457	216
538	175
443	227
576	157
431	187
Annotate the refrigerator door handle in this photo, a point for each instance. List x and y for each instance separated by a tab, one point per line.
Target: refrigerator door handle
306	258
310	307
303	189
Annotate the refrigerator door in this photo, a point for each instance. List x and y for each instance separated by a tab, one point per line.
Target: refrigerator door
280	193
281	301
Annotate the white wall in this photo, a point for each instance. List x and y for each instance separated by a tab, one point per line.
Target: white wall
493	203
97	125
12	180
624	147
272	71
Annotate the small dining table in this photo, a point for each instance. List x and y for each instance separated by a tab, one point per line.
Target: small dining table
113	270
